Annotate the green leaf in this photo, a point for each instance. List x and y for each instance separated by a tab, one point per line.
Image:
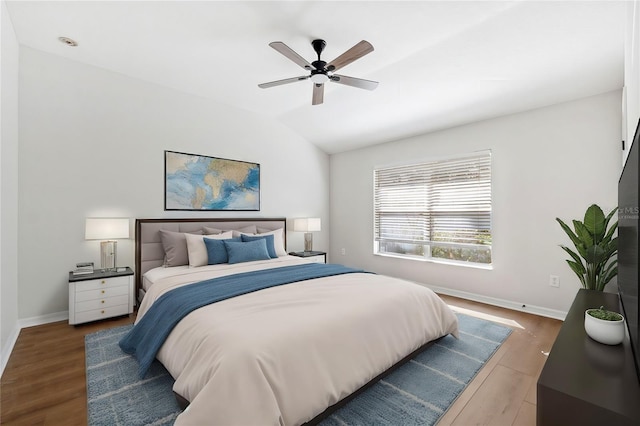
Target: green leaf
610	271
594	220
574	238
611	231
609	216
590	277
604	315
595	243
608	276
575	256
610	249
578	269
583	233
595	254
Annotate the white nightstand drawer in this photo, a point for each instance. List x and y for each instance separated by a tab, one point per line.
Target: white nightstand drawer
82	296
315	259
102	283
103	294
98	314
108	302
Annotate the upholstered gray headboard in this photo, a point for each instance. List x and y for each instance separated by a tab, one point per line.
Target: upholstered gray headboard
149	251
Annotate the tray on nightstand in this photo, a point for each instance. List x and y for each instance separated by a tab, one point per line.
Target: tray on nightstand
311	254
101	273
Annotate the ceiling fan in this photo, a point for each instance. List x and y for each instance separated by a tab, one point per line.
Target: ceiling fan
322	72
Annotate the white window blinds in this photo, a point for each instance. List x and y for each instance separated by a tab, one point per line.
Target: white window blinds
435	209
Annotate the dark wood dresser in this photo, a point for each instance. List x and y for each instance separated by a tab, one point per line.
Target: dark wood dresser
585	382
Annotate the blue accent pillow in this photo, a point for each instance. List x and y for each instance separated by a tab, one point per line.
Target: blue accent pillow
216	250
247	252
268	239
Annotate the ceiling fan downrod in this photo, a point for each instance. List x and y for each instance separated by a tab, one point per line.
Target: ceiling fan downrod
320	71
319	75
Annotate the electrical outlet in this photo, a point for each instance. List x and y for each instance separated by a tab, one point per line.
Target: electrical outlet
343	251
554	281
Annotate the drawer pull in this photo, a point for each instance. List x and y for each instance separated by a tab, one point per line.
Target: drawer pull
103	281
102	292
102	301
102	312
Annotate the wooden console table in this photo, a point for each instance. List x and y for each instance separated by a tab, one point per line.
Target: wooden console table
585	382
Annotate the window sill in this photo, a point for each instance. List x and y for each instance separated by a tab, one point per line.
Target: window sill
487	267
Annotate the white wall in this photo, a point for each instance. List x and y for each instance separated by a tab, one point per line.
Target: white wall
631	101
8	187
547	163
92	144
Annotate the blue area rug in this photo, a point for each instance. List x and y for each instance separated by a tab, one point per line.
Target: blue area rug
418	393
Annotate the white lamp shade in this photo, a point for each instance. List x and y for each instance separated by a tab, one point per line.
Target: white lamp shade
102	228
310	224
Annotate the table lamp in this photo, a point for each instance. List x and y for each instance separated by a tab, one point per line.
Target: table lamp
307	225
108	229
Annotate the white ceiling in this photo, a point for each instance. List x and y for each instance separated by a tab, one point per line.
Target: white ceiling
439	63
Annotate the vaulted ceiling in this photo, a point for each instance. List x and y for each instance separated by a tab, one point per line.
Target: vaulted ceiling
439	63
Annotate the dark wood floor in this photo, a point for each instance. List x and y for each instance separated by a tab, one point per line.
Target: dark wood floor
44	382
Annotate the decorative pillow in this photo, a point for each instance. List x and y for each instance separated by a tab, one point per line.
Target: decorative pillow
247	252
268	238
217	251
278	241
175	247
211	231
196	249
251	229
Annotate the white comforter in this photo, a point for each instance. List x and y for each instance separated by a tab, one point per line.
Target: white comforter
281	356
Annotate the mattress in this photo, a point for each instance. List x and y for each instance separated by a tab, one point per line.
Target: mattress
282	355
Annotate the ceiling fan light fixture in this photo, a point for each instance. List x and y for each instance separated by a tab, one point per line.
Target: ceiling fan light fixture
321	72
319	78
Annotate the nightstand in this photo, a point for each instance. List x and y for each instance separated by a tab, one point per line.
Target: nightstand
313	256
100	295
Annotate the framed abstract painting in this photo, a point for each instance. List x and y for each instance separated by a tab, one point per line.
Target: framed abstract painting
198	182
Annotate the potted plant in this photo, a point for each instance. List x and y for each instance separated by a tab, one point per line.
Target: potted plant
594	262
604	326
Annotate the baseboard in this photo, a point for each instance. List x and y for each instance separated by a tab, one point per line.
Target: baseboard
24	323
43	319
6	351
509	304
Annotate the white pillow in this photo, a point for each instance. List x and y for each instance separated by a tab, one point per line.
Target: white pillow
278	241
249	230
211	231
197	250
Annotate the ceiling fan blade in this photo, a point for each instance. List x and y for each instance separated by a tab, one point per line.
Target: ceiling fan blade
354	82
318	94
291	54
356	52
281	82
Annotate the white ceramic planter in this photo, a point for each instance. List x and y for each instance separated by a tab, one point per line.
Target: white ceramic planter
603	331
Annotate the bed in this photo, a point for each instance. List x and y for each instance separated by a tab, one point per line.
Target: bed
285	354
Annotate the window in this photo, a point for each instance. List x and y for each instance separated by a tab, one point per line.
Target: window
438	210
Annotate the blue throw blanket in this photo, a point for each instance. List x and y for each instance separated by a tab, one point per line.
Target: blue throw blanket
148	335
